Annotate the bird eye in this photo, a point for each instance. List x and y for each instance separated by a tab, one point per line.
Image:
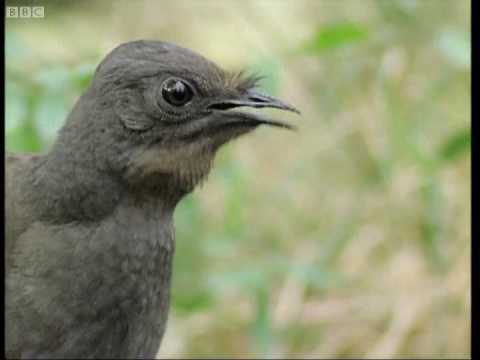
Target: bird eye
176	92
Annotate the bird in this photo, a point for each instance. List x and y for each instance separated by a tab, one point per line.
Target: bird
90	236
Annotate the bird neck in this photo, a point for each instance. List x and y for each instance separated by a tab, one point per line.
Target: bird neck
66	188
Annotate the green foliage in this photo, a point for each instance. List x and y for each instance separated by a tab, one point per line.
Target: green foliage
269	69
262	327
378	169
336	36
455	46
457	144
432	223
37	105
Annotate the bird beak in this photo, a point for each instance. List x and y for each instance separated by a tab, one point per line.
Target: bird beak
256	99
253	99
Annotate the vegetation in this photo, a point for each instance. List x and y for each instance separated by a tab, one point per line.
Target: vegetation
349	237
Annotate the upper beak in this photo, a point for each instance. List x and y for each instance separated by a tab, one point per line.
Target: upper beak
254	99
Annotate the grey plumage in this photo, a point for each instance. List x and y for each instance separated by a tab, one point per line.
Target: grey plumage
89	231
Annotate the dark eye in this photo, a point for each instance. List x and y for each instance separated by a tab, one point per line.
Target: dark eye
176	92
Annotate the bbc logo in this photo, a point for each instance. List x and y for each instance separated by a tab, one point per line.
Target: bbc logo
25	12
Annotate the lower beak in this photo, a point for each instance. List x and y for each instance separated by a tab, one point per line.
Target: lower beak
253	99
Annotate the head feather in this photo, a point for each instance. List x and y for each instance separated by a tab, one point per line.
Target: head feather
241	80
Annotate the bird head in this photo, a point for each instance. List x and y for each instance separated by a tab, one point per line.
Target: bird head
158	110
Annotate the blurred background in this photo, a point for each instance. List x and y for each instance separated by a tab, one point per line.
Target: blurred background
347	238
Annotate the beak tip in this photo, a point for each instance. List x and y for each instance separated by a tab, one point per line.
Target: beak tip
260	99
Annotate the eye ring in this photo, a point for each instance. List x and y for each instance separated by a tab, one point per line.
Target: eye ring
176	92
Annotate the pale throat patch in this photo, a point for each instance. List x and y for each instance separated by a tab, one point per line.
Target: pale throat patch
188	164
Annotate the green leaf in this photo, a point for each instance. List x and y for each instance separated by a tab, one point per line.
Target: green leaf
54	78
455	47
432	221
15	107
188	215
193	302
23	139
270	69
456	145
234	224
318	278
83	74
16	51
262	327
50	115
336	36
251	279
311	274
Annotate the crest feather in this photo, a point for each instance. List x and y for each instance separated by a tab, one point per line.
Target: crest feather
241	80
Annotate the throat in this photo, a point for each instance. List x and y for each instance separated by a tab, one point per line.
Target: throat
170	172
